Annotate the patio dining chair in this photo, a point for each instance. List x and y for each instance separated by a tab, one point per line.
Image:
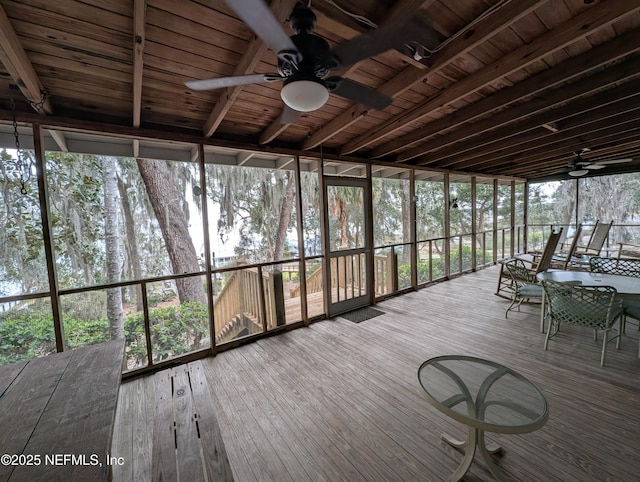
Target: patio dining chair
525	287
594	307
623	267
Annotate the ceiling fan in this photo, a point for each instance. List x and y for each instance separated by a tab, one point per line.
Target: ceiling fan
306	59
580	167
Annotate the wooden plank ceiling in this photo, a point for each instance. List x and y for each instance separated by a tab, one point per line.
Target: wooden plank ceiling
513	89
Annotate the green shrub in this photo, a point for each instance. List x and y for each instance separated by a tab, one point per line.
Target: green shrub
174	331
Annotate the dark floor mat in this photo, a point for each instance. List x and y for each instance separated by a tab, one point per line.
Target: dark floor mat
361	314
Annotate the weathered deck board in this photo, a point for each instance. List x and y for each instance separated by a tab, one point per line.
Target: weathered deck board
63	405
341	401
163	458
215	457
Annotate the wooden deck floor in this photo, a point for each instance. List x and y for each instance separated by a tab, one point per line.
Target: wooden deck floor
341	401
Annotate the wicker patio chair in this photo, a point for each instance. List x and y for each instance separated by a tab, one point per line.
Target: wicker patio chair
624	267
524	284
590	306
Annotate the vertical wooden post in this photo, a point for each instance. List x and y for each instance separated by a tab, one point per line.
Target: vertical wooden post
525	234
207	248
495	220
413	230
302	265
391	274
512	222
277	297
474	222
147	323
368	226
447	226
577	218
324	236
43	195
263	306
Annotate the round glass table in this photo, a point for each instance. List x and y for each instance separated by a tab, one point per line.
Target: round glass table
485	396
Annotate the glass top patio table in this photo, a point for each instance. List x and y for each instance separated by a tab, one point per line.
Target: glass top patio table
486	396
483	394
624	285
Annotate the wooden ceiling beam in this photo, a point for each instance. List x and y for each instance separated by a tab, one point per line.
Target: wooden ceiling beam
243	157
17	63
548	142
283	162
254	52
620	150
59	139
139	11
470	37
599	15
552	107
276	128
534	157
604	107
561	166
595	58
195	152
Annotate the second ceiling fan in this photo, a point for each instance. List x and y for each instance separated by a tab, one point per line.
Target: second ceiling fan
580	167
305	60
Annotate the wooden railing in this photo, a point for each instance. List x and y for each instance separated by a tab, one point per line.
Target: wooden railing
385	274
238	306
314	284
348	276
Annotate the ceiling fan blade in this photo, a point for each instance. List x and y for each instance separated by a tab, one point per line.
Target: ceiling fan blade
289	115
361	94
224	82
259	17
392	34
612	161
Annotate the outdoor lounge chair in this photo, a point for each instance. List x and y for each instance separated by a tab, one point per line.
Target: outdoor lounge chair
563	259
590	306
596	241
538	264
544	262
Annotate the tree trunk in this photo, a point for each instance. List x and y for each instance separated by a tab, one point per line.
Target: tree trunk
285	217
568	214
112	245
166	205
132	245
343	222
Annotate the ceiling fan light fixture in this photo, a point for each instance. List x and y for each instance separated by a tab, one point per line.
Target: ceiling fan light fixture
304	95
578	172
